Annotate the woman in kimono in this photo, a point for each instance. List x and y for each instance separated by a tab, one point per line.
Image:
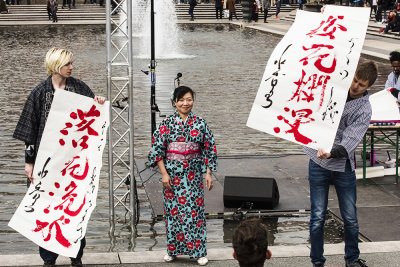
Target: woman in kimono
183	148
33	119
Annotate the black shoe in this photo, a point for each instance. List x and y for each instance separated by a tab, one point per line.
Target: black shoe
358	263
76	262
318	265
49	263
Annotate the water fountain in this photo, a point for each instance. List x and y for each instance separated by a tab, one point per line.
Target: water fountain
167	42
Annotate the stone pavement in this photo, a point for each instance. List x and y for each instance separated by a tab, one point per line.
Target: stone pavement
377	254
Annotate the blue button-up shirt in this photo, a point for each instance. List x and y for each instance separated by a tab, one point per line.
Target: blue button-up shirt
352	127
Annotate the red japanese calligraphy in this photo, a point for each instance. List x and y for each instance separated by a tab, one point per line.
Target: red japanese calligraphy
85	124
306	93
73	173
301	116
40	226
70	198
328	27
319	57
83	143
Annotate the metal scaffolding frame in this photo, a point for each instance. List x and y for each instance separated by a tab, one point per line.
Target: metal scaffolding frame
121	164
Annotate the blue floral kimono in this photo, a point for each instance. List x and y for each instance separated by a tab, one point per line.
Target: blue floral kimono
186	148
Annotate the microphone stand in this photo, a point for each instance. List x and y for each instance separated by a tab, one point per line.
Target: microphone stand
153	105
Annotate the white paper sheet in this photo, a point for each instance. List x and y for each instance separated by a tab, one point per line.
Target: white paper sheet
56	209
384	107
305	84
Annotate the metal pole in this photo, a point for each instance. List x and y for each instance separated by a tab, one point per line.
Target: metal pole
110	133
131	123
153	105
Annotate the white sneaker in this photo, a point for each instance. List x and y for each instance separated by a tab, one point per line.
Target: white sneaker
169	258
202	261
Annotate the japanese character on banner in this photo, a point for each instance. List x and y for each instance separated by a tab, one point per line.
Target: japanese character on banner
56	209
82	122
305	84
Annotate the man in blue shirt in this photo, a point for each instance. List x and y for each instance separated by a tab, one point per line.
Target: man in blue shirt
337	167
393	80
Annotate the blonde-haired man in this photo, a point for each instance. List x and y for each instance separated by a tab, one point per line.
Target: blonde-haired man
34	115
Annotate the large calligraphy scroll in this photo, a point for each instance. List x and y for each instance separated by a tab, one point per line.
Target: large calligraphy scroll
56	209
305	84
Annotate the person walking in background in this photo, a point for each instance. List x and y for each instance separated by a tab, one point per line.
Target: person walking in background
54	9
378	15
183	148
254	11
278	8
48	9
266	5
33	119
300	2
250	243
218	9
230	5
374	7
385	6
3	7
337	167
192	4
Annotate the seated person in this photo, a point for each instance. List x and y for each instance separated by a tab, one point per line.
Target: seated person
250	244
393	22
393	80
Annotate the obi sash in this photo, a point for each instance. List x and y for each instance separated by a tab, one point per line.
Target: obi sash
183	151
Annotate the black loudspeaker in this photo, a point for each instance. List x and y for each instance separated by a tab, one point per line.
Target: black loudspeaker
262	193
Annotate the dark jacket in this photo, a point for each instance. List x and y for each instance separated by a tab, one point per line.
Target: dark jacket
230	4
37	107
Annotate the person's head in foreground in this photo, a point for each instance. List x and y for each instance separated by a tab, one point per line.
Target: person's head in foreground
395	62
364	78
250	244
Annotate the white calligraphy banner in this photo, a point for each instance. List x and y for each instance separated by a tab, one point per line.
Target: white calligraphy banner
384	107
56	209
305	84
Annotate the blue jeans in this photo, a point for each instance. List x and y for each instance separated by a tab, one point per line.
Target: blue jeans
346	190
51	256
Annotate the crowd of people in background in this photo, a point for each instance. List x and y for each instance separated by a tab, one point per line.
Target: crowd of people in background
383	11
52	6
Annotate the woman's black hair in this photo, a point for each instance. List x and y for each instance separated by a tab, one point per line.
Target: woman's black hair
179	92
394	56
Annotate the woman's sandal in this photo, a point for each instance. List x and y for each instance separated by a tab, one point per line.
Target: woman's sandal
202	261
169	258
